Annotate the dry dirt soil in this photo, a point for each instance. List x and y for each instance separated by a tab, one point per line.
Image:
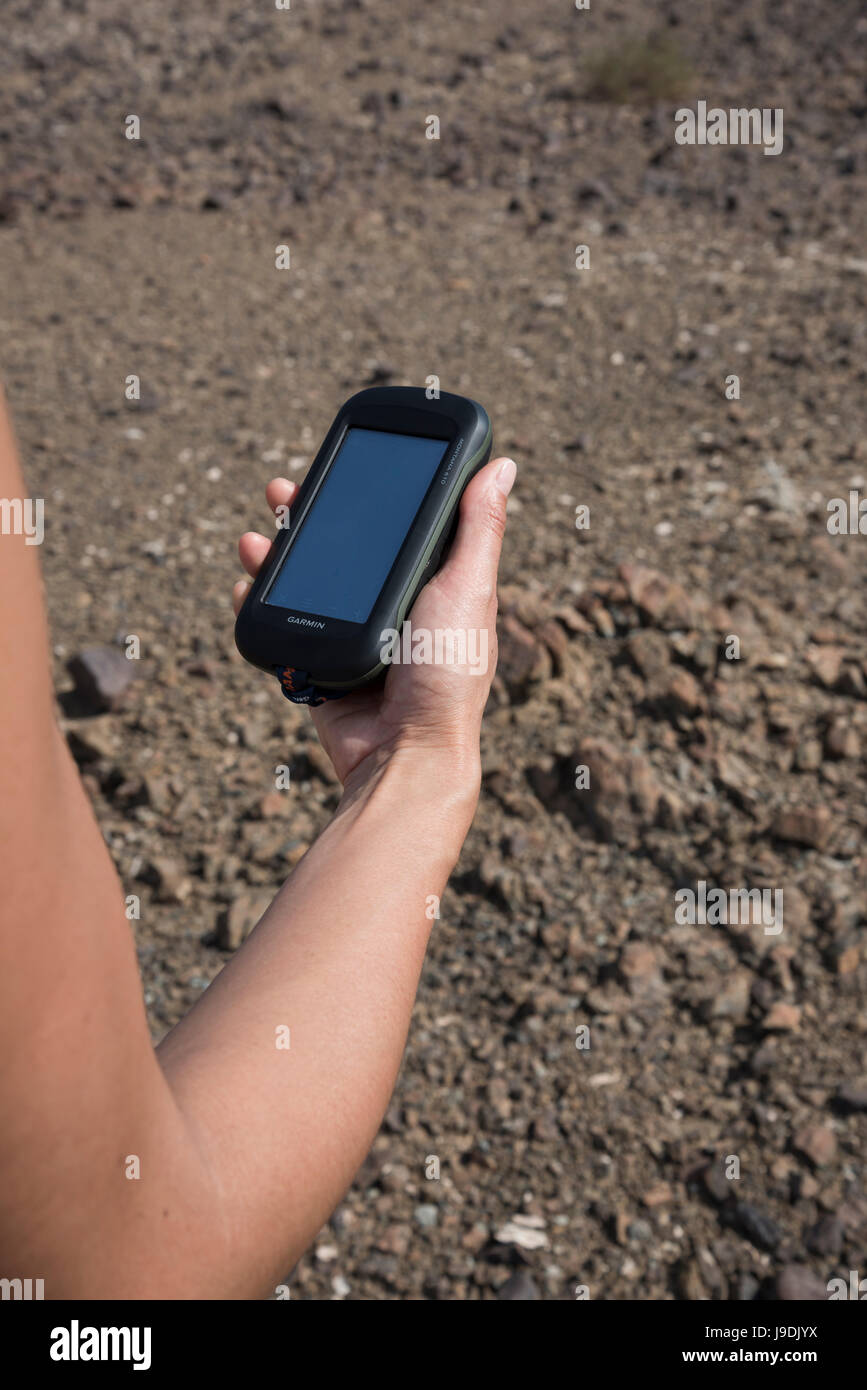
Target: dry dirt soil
560	1166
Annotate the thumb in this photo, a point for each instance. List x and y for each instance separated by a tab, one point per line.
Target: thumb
475	554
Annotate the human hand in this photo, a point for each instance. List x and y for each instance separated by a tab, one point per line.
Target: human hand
430	708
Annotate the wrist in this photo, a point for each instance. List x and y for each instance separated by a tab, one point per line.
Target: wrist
439	786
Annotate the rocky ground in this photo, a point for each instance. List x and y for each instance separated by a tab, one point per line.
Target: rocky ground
740	764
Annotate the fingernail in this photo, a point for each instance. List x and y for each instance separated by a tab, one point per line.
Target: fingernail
505	476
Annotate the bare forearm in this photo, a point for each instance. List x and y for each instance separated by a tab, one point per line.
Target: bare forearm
241	1145
331	970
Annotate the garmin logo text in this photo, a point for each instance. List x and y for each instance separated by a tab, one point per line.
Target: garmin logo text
75	1343
306	622
458	450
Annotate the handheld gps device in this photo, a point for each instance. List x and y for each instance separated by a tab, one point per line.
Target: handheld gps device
367	530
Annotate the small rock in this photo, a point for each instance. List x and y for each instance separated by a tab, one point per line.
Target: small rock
639	967
240	918
690	1283
782	1018
684	693
645	792
102	676
253	730
92	742
733	1000
777	492
803	825
841	740
395	1239
623	790
205	670
523	1231
639	1232
826	1237
554	638
602	620
797	1284
545	1127
657	1196
571	619
521	658
852	1095
172	882
475	1238
659	599
853	682
497	1096
764	1058
544	778
426	1215
157	793
650	653
715	1182
808	755
817	1143
825	663
394	1177
845	957
738	778
519	1286
758	1228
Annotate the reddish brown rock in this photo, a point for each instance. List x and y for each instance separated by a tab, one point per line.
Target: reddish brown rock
818	1143
684	693
825	663
522	658
841	740
659	599
640	969
803	825
782	1018
650	653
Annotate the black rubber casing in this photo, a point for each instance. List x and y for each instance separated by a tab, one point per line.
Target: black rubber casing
340	655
